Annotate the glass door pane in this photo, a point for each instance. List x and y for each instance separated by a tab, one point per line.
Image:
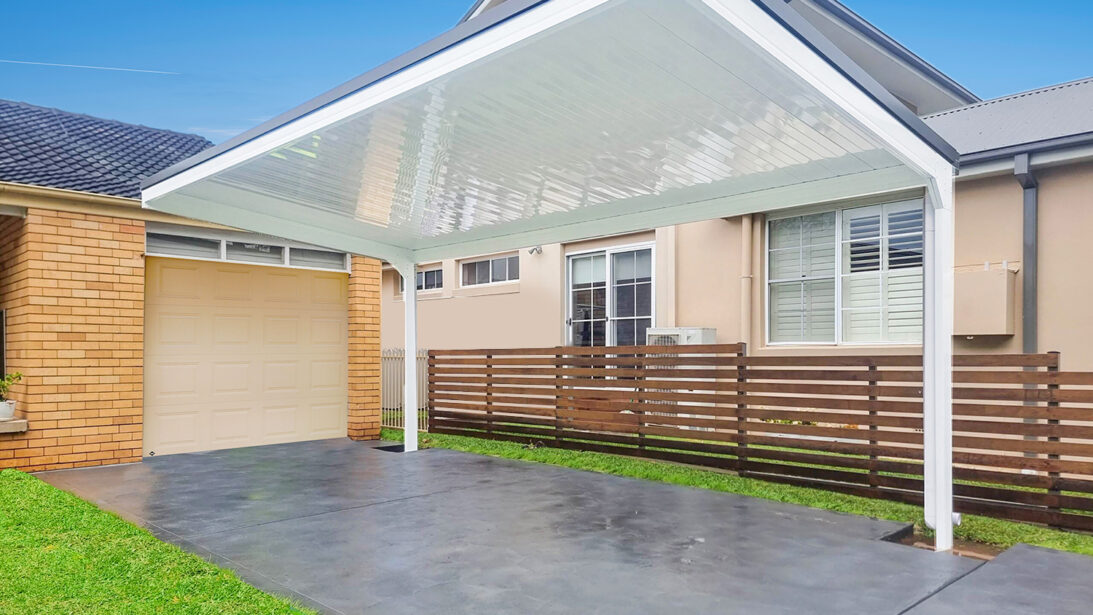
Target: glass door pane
588	300
632	296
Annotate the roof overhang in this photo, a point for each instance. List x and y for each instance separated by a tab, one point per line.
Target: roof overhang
545	121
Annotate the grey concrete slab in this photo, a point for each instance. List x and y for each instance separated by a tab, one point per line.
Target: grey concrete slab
352	529
1024	580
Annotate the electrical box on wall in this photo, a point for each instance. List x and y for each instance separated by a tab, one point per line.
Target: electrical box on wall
984	302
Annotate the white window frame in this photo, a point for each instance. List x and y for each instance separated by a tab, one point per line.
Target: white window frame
225	236
838	275
610	302
421	270
478	259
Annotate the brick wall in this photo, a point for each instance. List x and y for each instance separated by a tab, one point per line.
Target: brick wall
73	288
364	349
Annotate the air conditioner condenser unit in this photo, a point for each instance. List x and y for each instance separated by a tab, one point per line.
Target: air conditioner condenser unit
680	336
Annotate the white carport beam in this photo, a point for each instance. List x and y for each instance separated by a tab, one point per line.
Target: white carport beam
408	271
937	362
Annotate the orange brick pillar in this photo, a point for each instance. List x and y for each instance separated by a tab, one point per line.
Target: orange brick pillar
73	288
364	349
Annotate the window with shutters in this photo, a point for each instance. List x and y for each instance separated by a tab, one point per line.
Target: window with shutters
849	276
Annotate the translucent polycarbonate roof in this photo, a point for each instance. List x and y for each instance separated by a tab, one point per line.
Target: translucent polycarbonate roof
634	106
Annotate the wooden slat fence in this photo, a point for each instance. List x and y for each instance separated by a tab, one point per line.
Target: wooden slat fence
1023	429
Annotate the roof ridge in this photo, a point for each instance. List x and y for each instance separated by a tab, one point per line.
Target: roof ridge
1010	97
63	112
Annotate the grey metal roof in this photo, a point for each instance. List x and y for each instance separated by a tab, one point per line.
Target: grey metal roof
1042	116
48	147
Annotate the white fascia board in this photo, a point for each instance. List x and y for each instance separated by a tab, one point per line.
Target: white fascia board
12	210
790	51
336	236
495	39
847	187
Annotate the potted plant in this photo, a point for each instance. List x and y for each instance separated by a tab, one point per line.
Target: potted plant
7	406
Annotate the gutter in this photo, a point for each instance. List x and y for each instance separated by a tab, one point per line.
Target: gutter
1037	147
16	198
1042	154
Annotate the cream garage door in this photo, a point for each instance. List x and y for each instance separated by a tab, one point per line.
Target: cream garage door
239	355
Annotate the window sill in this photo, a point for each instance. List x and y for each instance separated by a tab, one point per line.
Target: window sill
13	426
841	349
482	290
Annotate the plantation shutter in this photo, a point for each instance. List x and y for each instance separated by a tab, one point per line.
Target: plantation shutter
882	273
802	271
904	261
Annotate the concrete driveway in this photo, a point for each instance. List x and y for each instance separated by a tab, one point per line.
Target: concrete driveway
346	527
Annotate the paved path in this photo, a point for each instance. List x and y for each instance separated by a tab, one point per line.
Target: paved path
348	528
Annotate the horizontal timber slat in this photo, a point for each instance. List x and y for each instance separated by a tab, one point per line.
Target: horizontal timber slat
1023	429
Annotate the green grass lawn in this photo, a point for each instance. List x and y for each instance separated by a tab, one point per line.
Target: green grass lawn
984	530
62	555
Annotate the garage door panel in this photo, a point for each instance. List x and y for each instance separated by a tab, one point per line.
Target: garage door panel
326	331
175	431
175	381
326	420
179	280
327	377
233	330
232	379
226	370
232	284
327	290
281	330
231	426
178	329
285	287
280	423
281	378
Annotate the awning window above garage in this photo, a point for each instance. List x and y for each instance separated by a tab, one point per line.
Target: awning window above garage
237	247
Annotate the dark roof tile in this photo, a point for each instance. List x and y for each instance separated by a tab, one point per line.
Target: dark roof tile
49	147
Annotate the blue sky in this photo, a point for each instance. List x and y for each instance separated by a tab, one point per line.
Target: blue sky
235	63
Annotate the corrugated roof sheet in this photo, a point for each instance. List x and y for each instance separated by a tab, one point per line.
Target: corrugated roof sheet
1047	113
49	147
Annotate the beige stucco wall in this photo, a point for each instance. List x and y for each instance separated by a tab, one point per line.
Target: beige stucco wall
525	313
1066	252
988	230
699	279
709	296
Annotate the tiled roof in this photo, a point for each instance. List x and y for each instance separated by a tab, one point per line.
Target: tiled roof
48	147
1047	113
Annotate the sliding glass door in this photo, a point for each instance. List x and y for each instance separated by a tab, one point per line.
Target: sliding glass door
610	297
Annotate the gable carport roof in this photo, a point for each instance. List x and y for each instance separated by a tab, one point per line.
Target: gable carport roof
569	66
550	121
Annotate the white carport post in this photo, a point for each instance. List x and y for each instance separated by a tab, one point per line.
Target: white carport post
408	271
937	362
